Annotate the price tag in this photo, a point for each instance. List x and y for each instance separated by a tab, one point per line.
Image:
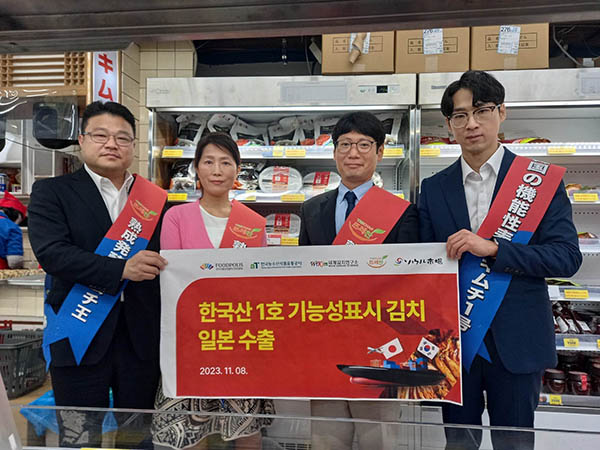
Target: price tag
433	41
431	152
553	292
576	293
177	196
585	197
393	152
295	152
277	151
598	343
571	342
292	198
287	240
273	239
401	195
172	153
561	150
508	39
250	196
555	400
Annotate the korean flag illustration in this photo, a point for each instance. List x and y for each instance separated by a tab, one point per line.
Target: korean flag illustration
392	348
427	348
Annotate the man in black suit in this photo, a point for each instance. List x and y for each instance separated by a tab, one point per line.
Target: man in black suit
68	217
358	139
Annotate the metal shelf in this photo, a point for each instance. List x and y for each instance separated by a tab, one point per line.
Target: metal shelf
588	294
583	401
307	152
251	197
578	342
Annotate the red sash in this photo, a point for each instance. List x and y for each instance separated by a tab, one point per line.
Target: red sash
372	219
245	228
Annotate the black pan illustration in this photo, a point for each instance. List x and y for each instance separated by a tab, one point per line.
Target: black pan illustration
400	377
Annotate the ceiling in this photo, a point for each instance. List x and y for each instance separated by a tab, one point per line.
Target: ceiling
69	25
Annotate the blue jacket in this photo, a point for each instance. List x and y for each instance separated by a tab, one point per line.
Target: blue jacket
11	237
522	329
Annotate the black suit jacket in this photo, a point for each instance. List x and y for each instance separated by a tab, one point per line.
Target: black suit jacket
67	221
318	222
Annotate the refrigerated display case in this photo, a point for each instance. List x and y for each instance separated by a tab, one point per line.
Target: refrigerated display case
562	108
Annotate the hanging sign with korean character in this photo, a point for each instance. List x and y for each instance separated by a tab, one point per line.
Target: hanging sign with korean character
346	321
106	76
515	214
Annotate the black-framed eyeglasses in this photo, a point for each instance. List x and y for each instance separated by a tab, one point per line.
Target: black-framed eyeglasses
363	146
481	115
101	137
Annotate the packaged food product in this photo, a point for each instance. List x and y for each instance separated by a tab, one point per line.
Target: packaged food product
323	130
245	134
280	179
595	379
554	381
248	176
285	132
191	128
306	130
183	176
321	181
526	140
377	179
391	124
578	383
221	122
288	224
568	362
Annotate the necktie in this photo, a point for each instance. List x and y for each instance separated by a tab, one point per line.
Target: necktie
350	198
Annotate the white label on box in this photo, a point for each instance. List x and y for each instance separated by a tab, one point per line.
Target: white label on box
366	43
508	40
433	41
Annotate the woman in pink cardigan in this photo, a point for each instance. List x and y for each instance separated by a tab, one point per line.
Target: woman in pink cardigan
202	225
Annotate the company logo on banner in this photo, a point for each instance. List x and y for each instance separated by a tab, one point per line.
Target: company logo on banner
105	72
328	328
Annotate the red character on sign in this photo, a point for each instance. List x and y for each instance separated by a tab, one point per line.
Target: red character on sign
107	95
105	62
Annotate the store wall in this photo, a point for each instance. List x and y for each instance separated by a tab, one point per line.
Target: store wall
171	59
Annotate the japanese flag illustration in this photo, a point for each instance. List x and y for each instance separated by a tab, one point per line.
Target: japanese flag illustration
428	349
392	348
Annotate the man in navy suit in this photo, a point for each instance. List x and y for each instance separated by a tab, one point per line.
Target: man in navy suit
453	203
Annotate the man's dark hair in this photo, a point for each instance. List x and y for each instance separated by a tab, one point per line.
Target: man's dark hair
485	89
360	122
98	108
221	140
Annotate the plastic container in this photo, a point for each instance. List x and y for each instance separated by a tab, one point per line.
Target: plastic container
22	363
568	362
554	381
579	383
279	179
595	379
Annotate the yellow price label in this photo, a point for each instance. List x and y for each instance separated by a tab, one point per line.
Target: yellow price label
295	152
585	197
292	198
576	293
598	343
555	400
561	150
393	152
172	153
177	196
250	196
571	342
286	240
400	195
431	152
277	151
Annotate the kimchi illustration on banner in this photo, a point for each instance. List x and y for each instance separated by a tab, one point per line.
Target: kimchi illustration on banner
340	322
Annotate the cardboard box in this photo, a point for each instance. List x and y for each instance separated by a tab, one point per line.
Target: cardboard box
379	59
410	57
532	52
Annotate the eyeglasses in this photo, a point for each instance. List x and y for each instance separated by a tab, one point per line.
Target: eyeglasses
101	137
363	146
481	115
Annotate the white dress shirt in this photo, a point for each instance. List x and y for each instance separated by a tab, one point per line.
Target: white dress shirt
114	199
479	187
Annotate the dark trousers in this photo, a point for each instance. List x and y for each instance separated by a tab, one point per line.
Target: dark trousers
511	402
133	382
